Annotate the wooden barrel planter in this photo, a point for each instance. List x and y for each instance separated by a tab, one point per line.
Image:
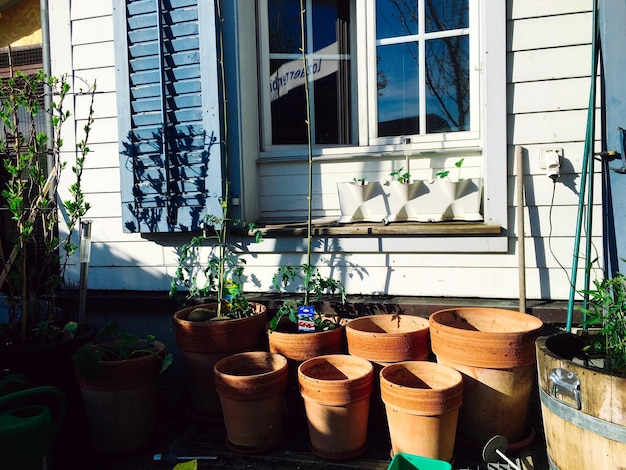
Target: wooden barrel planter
494	349
582	408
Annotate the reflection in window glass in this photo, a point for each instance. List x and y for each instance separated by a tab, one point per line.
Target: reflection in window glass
398	90
438	28
328	58
444	15
284	26
395	18
447	84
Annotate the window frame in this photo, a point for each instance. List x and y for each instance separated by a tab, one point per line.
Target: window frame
441	139
245	51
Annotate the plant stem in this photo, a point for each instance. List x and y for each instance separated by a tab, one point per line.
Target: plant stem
226	188
309	148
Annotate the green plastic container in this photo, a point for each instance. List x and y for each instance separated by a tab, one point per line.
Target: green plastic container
402	461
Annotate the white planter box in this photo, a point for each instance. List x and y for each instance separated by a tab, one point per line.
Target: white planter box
362	202
435	200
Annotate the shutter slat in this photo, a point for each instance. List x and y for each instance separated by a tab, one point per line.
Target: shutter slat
171	78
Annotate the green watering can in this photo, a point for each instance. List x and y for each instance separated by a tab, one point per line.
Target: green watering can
29	422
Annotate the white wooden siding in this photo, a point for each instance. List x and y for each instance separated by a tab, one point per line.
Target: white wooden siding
548	66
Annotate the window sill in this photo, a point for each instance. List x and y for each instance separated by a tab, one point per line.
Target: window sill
330	227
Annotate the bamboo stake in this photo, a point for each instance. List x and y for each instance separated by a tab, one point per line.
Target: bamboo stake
521	245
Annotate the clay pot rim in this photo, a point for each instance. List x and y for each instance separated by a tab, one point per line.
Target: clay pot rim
352	326
285	320
180	316
278	359
535	324
368	367
432	367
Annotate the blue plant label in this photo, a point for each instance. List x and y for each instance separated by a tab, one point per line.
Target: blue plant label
305	318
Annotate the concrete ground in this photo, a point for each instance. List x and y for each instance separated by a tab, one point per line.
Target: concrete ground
178	437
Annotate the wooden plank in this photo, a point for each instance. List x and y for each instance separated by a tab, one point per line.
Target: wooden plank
551	31
332	228
540	128
549	95
92	30
535	8
95	55
550	64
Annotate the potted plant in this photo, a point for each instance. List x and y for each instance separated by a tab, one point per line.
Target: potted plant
361	201
38	244
211	267
451	197
119	382
402	194
298	330
582	383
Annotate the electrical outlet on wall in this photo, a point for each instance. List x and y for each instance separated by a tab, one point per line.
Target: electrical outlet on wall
549	156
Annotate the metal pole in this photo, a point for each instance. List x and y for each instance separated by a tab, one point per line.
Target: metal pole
85	255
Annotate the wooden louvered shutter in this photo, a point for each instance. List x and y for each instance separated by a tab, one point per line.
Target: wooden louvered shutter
168	113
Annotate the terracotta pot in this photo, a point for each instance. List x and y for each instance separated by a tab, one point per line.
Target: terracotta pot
203	344
252	386
336	389
302	346
388	338
383	340
121	404
422	400
494	349
298	347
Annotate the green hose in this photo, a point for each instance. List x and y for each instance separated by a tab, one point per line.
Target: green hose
587	172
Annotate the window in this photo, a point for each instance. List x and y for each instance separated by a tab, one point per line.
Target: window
327	46
405	65
422	67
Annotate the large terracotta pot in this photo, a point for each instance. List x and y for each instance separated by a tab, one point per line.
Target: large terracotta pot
203	344
298	347
582	408
121	404
494	350
336	389
388	338
252	386
383	340
422	400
